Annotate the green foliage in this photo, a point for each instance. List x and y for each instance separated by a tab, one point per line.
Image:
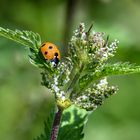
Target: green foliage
32	41
48	126
118	69
72	124
26	38
107	70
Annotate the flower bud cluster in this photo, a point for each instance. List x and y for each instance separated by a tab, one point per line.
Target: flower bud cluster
91	50
91	46
94	96
58	80
72	80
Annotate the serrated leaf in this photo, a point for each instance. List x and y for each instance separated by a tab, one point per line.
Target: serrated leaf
48	126
107	70
26	38
73	121
31	40
118	69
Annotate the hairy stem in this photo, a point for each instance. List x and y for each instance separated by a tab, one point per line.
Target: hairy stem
56	124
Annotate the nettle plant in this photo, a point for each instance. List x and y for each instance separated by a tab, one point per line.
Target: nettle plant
78	82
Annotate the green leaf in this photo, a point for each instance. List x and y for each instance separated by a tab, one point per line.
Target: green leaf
48	126
72	124
26	38
31	40
73	121
118	69
107	70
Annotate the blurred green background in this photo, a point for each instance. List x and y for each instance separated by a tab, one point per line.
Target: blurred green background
24	104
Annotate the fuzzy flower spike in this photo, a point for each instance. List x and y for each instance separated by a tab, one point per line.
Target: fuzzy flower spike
77	80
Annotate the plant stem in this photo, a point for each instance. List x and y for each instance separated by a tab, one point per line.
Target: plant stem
75	79
56	124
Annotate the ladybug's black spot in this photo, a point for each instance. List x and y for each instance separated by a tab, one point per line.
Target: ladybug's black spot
43	45
50	47
46	53
56	54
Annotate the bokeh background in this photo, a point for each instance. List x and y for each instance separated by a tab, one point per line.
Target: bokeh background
24	104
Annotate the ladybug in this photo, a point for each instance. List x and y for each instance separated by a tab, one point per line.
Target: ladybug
51	52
